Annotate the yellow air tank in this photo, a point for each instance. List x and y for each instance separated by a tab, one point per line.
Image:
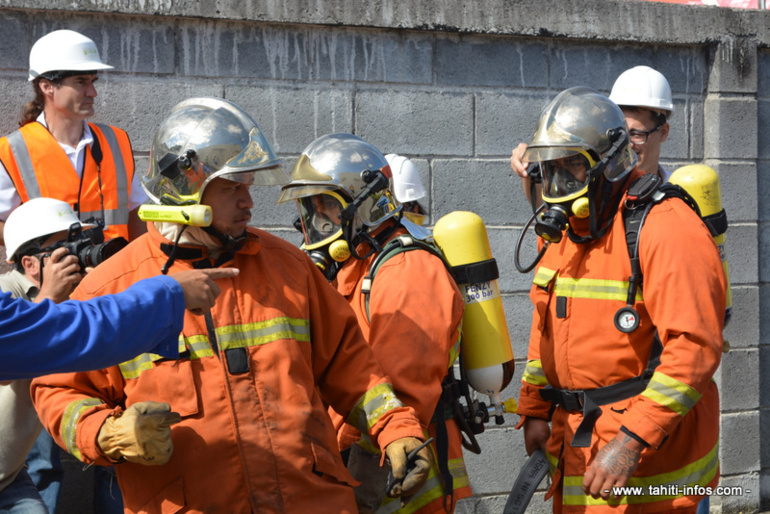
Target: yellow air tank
702	183
487	356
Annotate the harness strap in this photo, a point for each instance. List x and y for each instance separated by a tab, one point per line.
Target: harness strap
589	401
402	243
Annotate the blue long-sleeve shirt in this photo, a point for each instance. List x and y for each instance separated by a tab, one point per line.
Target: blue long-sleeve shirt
43	338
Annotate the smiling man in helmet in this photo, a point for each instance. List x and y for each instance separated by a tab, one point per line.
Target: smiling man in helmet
410	314
644	96
56	153
616	396
245	402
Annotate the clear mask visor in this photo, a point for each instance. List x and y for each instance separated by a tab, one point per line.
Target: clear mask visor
320	218
567	177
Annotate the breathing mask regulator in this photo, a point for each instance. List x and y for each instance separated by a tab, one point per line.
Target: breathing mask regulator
581	138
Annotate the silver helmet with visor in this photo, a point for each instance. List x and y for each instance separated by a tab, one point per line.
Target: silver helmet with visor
202	139
328	176
581	135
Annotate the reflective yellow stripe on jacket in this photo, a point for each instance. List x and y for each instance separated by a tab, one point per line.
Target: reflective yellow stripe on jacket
671	393
653	488
597	289
70	420
592	288
432	489
231	336
370	408
533	373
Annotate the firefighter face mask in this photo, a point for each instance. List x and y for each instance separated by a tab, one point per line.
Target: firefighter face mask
565	178
319	216
565	192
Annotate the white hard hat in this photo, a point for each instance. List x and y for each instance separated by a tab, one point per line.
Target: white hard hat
37	218
64	50
407	186
642	86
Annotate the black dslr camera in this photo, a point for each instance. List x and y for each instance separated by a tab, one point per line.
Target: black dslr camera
89	245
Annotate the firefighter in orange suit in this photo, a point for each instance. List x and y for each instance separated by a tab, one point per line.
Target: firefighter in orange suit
57	154
238	423
625	383
411	316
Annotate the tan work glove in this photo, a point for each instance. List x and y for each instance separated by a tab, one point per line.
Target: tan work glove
407	477
140	434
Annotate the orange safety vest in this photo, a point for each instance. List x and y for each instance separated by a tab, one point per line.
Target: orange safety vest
39	167
251	386
413	326
574	345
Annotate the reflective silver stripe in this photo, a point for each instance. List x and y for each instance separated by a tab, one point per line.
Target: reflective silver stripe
118	216
111	216
24	163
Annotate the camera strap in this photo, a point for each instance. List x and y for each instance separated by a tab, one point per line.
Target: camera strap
96	153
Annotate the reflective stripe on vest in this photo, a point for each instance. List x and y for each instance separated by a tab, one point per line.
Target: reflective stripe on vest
534	374
69	423
431	490
117	216
231	336
655	488
24	162
670	392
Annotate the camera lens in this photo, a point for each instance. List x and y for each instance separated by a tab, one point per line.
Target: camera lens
93	255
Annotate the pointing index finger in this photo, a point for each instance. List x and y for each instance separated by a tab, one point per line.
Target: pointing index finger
216	273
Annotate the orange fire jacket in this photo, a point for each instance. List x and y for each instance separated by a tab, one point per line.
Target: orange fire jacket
255	435
415	313
577	289
39	167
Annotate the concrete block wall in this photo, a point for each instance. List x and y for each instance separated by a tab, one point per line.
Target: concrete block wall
456	86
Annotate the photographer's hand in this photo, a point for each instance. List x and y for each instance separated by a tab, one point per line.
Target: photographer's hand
60	275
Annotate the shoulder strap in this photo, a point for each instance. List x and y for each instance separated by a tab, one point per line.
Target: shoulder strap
400	244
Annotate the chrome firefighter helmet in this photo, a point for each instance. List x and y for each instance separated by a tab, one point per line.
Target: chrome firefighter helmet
581	137
202	139
341	184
